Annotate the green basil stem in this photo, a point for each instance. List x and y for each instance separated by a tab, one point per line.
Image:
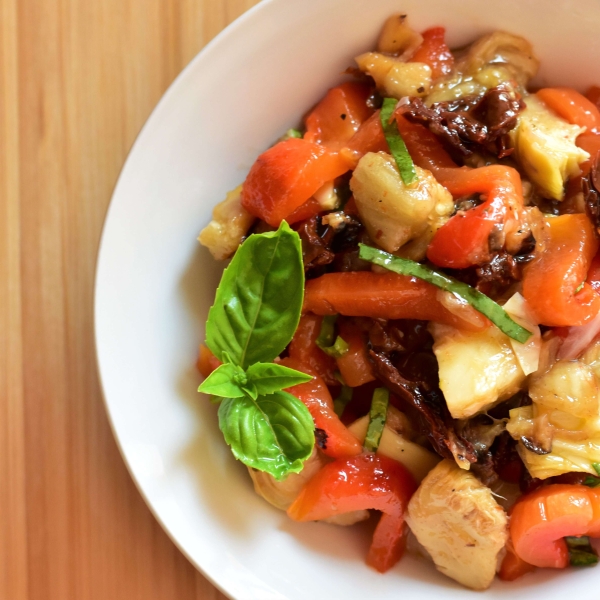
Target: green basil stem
340	403
331	345
396	143
480	302
581	552
377	419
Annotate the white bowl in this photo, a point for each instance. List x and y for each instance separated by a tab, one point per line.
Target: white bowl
155	283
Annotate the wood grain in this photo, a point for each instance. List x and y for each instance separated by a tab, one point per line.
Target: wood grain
78	78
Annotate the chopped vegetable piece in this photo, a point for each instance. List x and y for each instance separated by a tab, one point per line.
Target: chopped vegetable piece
551	278
354	365
368	481
340	403
380	295
482	303
581	553
434	52
396	143
285	176
596	467
336	347
293	133
377	419
339	441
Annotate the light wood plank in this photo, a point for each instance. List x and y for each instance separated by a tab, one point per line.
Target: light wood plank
79	78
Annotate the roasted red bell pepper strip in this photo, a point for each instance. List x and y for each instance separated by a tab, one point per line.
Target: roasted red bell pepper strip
285	176
464	240
354	365
513	566
339	442
368	138
593	95
207	361
338	116
304	349
553	282
434	52
377	295
571	106
539	521
367	481
593	276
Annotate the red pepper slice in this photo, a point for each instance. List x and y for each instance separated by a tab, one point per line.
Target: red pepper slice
340	442
286	176
435	52
367	481
338	116
378	295
571	106
539	521
552	282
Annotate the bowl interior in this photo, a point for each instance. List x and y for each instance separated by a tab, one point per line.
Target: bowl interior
155	284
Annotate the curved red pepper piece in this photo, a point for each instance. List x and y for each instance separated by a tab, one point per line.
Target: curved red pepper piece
368	481
339	441
539	522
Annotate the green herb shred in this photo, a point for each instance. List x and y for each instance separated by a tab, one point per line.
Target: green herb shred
398	148
581	552
480	302
377	419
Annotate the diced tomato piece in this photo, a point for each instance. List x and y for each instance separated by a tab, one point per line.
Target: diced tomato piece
339	115
207	361
553	282
377	295
434	52
368	481
304	349
339	442
571	106
286	176
354	365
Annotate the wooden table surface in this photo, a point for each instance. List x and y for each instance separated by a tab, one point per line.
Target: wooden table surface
78	78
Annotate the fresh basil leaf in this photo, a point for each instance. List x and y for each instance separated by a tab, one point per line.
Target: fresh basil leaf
274	433
596	467
398	148
225	381
258	302
271	377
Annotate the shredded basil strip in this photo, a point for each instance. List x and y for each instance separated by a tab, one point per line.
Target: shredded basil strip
596	467
591	481
340	403
480	302
398	148
328	342
377	419
581	552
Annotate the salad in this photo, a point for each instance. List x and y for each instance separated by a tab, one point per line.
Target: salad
409	327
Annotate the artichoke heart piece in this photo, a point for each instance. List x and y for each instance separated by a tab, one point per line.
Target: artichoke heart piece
477	369
575	441
395	78
545	146
393	212
230	223
455	517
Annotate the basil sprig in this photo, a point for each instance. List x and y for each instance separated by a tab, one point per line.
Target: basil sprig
398	148
254	317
